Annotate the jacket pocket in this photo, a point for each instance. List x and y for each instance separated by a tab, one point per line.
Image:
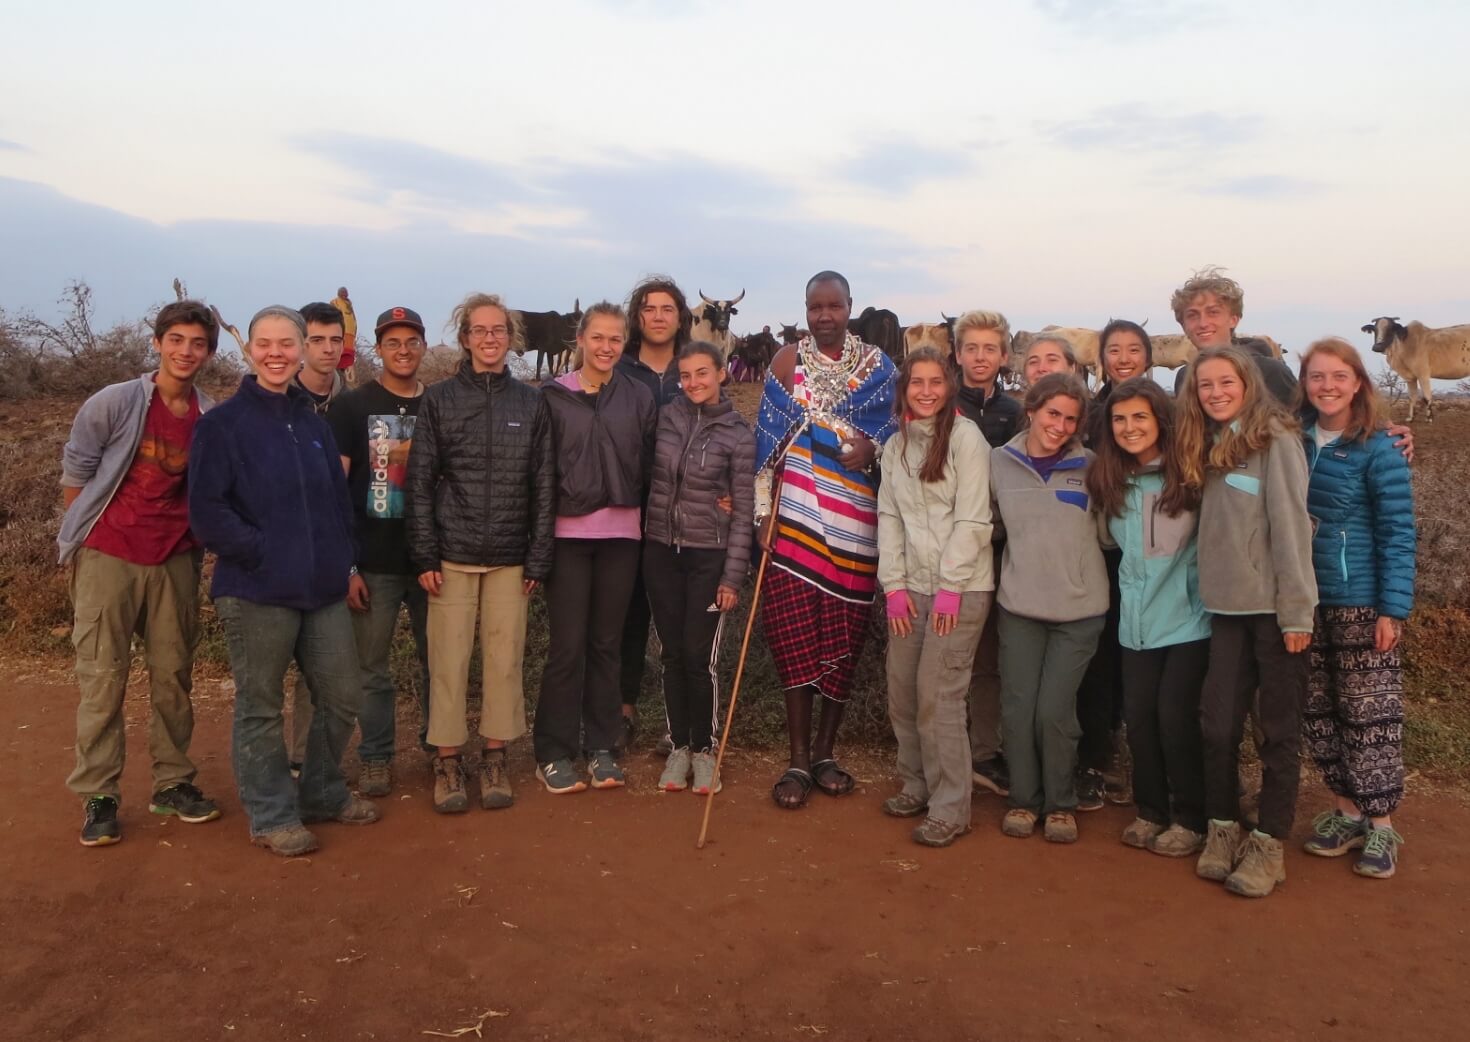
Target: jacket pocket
1072	498
1244	483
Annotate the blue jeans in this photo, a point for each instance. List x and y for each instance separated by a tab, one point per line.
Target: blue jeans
374	630
262	640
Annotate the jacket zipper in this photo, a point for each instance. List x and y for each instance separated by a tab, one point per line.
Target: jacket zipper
1342	554
675	528
489	442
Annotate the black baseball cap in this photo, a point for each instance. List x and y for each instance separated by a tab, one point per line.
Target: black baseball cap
398	317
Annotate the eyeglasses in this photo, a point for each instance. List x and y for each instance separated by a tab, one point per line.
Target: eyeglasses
413	345
481	332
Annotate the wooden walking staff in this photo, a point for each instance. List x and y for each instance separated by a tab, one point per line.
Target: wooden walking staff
767	541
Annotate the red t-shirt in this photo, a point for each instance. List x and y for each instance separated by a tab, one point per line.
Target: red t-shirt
147	521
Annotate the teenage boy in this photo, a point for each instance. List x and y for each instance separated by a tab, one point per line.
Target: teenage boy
1208	307
982	350
135	569
373	426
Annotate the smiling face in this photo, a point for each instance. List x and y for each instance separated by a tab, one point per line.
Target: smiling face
602	343
182	350
1330	384
1221	390
1053	425
324	344
488	339
658	319
275	353
1124	356
401	349
700	376
828	308
927	391
1135	428
1208	321
1043	358
980	355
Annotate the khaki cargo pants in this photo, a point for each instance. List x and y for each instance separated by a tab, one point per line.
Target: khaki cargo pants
114	599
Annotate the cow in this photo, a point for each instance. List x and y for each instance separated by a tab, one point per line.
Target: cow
550	336
924	334
751	355
792	334
712	322
1421	353
879	327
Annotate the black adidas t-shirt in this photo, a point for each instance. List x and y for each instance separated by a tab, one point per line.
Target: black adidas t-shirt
374	429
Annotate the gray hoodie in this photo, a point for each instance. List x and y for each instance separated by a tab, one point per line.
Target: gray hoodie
1052	569
1255	538
104	439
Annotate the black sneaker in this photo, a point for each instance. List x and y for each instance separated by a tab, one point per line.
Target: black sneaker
185	802
992	775
1089	790
100	827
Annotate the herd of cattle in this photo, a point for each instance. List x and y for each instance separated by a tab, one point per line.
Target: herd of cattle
1418	353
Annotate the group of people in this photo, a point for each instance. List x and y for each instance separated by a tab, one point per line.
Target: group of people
1051	567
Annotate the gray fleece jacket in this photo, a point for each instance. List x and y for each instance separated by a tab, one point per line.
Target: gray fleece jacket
1052	568
104	439
1255	538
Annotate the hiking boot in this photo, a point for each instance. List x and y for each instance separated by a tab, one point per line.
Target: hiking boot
1262	865
1061	827
991	775
1222	846
449	794
99	827
291	841
559	777
356	811
1177	841
705	776
1117	776
1089	790
603	769
1334	834
1380	857
1141	833
495	791
184	802
375	778
904	806
664	745
936	833
1018	822
675	777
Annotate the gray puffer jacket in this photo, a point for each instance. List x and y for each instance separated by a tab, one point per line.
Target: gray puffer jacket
704	452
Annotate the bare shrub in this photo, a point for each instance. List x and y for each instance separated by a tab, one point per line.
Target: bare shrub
68	356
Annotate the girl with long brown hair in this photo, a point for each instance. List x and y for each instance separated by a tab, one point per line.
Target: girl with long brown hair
934	563
1241	450
1137	485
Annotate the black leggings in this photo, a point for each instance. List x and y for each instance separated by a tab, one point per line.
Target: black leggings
1161	691
681	588
587	598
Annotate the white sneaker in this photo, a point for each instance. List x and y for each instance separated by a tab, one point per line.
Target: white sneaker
705	777
676	771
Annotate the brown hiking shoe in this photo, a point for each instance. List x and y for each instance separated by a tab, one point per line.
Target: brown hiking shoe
1061	827
291	841
936	833
1018	822
356	811
1222	846
1140	833
904	805
375	778
449	794
1177	841
1262	866
495	792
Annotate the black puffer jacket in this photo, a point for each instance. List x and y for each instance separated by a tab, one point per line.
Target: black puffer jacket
704	452
481	475
999	417
604	444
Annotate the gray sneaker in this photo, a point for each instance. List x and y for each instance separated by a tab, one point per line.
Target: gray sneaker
705	777
560	778
1141	832
375	778
291	841
676	771
1177	841
603	769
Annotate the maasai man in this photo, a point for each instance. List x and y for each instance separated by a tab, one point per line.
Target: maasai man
827	408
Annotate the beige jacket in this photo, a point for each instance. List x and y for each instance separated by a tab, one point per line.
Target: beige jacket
935	536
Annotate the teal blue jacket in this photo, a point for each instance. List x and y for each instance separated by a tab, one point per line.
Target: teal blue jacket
1362	509
1158	579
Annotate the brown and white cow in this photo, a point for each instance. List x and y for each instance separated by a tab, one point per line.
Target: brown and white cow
1421	353
927	334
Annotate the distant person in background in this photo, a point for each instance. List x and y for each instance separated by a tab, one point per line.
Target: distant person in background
1363	549
374	429
349	333
982	351
659	321
268	495
135	569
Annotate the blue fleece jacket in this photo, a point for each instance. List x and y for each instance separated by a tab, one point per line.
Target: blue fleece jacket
1158	579
268	495
1362	509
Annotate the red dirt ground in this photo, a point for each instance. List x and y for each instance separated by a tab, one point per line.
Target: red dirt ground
595	917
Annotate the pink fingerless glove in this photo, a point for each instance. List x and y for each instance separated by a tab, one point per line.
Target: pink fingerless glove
898	605
946	602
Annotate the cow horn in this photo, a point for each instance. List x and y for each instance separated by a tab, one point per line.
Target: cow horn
738	299
706	299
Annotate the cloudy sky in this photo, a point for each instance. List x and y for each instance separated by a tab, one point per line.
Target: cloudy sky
1061	160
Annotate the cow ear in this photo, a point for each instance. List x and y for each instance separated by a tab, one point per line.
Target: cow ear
1368	328
734	311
